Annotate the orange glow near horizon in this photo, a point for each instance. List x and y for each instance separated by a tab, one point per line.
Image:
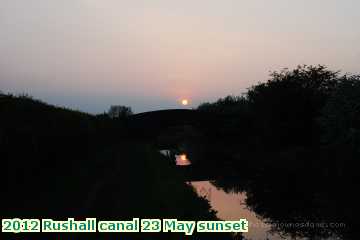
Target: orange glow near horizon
185	102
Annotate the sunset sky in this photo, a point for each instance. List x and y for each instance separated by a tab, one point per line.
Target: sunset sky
90	54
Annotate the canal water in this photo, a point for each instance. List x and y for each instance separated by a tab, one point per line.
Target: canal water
230	206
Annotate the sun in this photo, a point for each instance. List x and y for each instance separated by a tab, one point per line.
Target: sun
185	102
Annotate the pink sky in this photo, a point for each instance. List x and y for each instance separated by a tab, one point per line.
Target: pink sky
89	54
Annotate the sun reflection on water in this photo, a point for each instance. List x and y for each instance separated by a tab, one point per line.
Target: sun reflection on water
182	160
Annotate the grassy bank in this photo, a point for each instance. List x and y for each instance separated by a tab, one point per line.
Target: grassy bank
59	163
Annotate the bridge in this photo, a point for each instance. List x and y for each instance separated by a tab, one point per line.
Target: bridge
152	124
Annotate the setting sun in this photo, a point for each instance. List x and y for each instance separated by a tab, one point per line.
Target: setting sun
184	102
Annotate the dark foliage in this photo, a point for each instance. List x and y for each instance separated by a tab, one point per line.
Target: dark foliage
57	163
292	143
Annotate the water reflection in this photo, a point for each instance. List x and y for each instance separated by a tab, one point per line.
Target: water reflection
231	206
182	160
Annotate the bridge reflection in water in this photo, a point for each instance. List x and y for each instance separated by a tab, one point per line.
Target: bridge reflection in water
182	160
229	206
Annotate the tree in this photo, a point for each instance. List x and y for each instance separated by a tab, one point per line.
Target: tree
285	107
119	111
340	118
227	105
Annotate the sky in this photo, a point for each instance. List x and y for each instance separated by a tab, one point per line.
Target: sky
90	54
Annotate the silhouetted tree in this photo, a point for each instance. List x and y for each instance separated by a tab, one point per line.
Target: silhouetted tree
285	107
227	105
340	118
120	111
301	149
60	163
